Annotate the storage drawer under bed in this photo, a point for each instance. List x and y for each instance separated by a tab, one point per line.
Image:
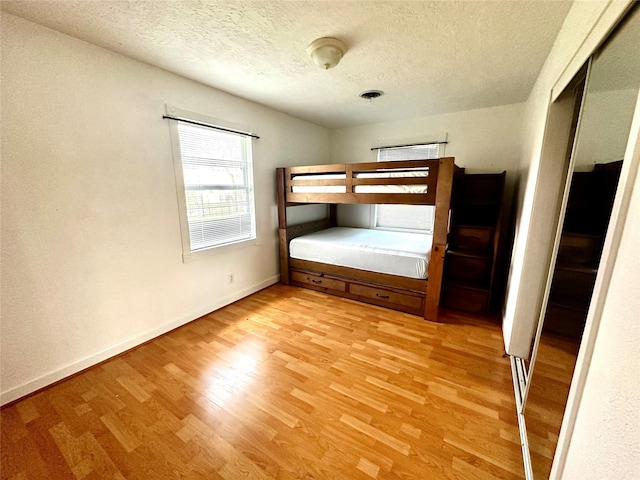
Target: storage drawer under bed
318	281
387	296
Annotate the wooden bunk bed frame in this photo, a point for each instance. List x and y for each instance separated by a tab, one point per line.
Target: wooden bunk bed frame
417	296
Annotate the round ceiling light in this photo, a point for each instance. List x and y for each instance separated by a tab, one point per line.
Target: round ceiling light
326	52
371	94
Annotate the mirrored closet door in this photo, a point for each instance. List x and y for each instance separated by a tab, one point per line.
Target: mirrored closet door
604	95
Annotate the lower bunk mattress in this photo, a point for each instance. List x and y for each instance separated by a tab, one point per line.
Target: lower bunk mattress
395	253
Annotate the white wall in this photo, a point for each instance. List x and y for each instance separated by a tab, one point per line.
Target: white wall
91	251
483	141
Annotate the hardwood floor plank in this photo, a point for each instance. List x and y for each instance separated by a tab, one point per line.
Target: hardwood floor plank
27	410
127	438
84	454
390	387
382	363
401	354
14	464
486	453
271	409
451	395
286	384
376	434
359	397
339	434
368	467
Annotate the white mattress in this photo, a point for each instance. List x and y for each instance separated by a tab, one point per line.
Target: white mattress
362	188
396	253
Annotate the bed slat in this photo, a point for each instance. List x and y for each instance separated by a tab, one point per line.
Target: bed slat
409	165
313	169
318	183
366	198
395	181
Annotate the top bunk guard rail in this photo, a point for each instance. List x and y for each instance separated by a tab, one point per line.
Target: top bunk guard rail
340	181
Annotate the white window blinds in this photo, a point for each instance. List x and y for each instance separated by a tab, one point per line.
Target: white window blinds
416	152
406	217
218	185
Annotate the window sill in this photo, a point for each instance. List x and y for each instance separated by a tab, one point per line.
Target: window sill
188	257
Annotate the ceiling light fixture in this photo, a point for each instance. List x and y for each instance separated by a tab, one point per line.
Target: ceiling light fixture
326	52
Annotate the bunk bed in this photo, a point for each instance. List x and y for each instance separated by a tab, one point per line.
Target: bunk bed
415	182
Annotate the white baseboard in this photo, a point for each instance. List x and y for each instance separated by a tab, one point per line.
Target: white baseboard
69	369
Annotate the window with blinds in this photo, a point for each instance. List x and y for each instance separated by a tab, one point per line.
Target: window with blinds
405	217
217	172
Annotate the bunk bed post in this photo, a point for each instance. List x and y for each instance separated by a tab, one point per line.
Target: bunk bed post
282	226
440	231
436	266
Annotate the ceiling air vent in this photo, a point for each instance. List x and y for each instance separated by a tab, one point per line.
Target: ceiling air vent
371	94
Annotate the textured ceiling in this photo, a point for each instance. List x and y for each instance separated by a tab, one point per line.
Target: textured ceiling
427	56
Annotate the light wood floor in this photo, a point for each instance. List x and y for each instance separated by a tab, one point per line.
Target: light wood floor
549	385
287	384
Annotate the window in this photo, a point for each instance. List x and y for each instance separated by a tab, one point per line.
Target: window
214	171
405	217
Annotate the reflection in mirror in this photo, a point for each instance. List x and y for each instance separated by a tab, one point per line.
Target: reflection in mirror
553	355
605	122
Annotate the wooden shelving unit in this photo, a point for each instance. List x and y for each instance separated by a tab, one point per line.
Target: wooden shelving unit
585	225
470	261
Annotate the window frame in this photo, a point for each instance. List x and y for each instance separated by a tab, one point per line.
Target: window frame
373	212
187	253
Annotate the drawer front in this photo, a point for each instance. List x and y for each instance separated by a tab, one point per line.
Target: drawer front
471	239
579	249
478	188
386	295
318	281
464	299
467	269
572	287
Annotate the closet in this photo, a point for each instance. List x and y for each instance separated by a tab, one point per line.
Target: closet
595	112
